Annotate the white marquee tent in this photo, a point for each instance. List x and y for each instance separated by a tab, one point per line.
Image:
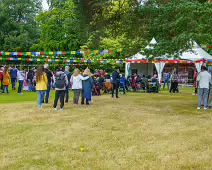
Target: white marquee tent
195	54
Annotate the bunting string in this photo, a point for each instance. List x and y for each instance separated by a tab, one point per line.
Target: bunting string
166	61
108	61
2	53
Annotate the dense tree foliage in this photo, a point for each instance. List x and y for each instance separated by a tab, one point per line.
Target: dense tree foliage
18	28
105	24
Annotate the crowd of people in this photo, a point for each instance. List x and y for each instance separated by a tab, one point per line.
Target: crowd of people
85	84
42	80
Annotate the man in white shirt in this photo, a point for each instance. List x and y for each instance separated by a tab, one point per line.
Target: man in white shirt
204	79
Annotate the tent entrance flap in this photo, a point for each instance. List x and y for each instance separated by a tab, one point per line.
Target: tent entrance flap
159	67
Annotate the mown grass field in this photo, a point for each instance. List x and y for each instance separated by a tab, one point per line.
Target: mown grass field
137	131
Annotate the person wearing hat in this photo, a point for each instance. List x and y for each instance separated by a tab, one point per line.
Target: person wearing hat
204	79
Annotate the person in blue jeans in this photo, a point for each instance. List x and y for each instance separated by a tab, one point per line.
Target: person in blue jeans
30	76
49	78
20	78
166	77
41	85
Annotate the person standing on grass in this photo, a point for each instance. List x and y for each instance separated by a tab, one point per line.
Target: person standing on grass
68	74
49	77
210	97
6	80
13	75
1	77
195	83
76	80
115	82
61	82
204	79
30	76
41	85
166	77
20	78
87	86
174	82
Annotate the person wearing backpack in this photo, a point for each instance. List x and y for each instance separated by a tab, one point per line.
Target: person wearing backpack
61	81
68	74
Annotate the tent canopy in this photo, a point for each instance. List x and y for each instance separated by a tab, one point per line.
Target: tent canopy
196	53
139	56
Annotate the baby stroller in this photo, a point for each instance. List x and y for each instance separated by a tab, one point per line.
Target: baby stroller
153	87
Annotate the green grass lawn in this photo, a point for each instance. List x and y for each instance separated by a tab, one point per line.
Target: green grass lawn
137	131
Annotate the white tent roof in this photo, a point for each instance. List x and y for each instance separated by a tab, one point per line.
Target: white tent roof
197	53
139	56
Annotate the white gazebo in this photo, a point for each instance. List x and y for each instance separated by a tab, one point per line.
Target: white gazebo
142	68
196	54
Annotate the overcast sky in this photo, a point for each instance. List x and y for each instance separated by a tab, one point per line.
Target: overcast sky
45	5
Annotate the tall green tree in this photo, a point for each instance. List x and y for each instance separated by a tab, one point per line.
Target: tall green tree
18	29
177	23
61	26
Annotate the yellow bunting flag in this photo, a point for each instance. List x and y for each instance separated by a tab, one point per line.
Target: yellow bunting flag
7	53
96	51
28	53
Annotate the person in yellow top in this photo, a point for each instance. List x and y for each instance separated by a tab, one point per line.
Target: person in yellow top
41	84
6	80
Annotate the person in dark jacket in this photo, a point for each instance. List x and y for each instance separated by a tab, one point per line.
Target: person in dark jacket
49	77
13	75
68	74
87	86
115	82
123	80
30	76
